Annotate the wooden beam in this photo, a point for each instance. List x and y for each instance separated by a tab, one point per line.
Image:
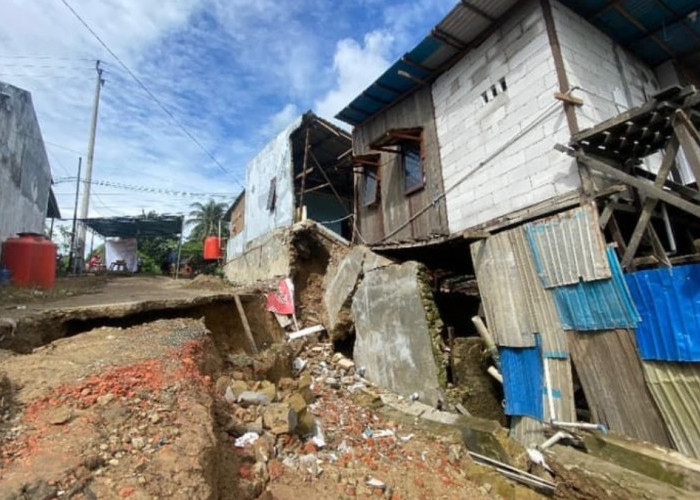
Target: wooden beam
246	325
691	150
616	234
328	180
477	10
646	187
303	169
650	204
657	247
682	190
316	188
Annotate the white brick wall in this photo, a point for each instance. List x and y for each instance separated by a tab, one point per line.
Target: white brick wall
469	131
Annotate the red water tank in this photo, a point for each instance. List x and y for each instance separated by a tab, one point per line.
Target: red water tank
32	260
212	248
45	268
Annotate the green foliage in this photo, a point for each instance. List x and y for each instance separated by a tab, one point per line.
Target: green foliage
205	217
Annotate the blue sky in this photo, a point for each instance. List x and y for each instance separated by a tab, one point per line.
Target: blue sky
233	72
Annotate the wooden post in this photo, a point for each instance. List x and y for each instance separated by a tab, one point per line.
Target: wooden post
246	326
328	180
650	204
303	171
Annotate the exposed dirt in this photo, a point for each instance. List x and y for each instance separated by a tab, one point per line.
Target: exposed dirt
63	288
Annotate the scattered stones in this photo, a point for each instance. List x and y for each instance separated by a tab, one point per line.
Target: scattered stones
60	416
279	418
248	398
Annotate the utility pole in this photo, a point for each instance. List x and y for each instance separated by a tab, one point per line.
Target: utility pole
85	204
72	260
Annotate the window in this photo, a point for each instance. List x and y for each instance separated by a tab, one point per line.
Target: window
272	194
370	185
412	168
494	91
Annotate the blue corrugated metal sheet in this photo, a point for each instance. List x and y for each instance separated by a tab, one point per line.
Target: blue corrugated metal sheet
669	304
521	368
597	305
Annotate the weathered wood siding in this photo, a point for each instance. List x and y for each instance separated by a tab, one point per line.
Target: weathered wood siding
238	216
396	208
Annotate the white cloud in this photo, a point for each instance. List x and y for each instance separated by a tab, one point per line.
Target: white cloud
280	120
356	67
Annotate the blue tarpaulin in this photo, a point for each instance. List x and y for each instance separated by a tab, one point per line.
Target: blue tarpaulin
669	304
521	368
597	305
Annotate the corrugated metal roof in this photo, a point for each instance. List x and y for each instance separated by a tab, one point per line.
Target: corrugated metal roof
454	35
569	247
502	292
597	305
676	390
613	381
669	305
654	31
539	303
521	368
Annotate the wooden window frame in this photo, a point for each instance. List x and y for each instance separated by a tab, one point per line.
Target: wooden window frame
406	147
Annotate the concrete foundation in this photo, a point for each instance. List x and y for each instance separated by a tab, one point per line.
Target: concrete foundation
397	332
340	284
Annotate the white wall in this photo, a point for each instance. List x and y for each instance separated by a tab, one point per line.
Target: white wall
25	174
611	79
274	160
528	171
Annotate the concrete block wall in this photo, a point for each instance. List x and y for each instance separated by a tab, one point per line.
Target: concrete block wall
25	174
525	171
612	80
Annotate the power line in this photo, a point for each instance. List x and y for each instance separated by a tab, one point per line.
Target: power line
145	189
53	58
146	89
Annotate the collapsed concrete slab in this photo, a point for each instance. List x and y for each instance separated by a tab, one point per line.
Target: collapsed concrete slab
340	284
397	330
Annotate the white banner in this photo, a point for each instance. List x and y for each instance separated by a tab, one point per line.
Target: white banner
121	249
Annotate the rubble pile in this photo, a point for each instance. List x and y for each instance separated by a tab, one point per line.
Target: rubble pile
310	426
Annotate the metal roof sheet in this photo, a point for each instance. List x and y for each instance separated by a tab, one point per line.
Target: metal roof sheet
669	305
134	227
522	381
502	292
597	305
569	247
458	31
676	390
654	31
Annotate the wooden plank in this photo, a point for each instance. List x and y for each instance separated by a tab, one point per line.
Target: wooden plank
682	190
646	187
657	247
616	234
246	325
613	381
650	204
328	180
303	168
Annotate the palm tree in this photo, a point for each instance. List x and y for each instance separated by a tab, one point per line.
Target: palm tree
205	217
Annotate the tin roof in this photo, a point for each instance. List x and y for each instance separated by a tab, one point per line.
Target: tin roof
667	300
133	227
464	27
676	390
597	305
653	30
569	247
522	381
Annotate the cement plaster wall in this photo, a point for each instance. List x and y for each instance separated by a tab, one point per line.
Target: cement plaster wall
25	174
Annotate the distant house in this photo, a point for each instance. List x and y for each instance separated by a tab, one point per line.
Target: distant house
532	147
304	173
25	174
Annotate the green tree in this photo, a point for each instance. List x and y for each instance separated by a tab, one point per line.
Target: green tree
205	217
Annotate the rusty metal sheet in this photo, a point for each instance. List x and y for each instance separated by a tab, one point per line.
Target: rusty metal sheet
569	247
502	292
613	381
541	308
676	390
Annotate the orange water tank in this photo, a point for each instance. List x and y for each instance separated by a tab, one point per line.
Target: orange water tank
212	248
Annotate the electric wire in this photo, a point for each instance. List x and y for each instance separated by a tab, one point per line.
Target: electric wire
148	91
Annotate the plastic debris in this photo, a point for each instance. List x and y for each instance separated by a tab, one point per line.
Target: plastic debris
318	438
252	398
299	364
310	464
536	457
229	396
246	439
383	433
367	433
375	483
414	397
406	438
